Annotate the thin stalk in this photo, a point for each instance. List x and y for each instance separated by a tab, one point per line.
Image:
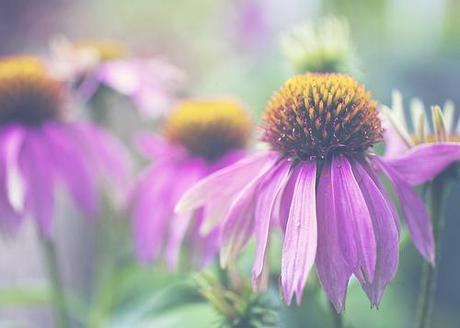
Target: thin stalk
336	317
61	316
430	272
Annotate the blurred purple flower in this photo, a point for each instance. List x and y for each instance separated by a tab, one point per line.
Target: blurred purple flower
319	184
200	138
151	83
430	151
39	149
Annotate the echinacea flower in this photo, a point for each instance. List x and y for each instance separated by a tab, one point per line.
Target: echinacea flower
200	137
40	148
323	46
408	149
320	184
151	83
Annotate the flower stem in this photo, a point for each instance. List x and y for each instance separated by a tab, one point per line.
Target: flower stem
336	317
428	285
58	296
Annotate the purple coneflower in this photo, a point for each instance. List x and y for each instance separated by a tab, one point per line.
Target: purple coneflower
408	149
151	83
200	137
40	148
320	184
425	155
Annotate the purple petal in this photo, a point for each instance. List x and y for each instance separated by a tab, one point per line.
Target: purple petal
268	193
238	224
10	144
353	218
417	218
156	147
187	174
386	229
283	204
424	162
39	179
110	157
179	225
72	166
333	270
151	211
300	239
217	190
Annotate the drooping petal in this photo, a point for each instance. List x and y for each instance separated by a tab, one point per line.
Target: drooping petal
39	180
386	231
300	238
238	226
239	222
333	270
187	174
422	163
233	178
10	215
417	218
267	195
72	166
215	190
353	219
110	157
151	210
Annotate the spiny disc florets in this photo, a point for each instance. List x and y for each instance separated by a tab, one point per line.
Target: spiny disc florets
28	95
315	115
209	128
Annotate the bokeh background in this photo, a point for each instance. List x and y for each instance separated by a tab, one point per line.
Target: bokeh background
231	47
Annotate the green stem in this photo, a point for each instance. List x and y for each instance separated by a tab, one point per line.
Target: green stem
430	272
57	290
336	317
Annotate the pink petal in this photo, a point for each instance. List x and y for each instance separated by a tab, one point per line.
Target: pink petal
72	166
300	239
417	218
268	192
385	221
39	180
357	232
333	269
422	163
214	191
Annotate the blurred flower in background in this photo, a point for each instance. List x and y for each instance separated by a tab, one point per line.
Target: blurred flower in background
200	137
321	46
95	67
42	148
406	150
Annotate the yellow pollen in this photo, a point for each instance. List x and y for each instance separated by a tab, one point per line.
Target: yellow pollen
209	128
315	115
27	93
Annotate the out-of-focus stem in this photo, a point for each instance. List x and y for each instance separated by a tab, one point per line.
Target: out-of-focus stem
57	290
428	285
336	317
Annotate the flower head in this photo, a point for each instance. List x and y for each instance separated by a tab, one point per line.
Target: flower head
209	128
324	46
317	115
200	137
320	185
27	94
40	148
406	148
